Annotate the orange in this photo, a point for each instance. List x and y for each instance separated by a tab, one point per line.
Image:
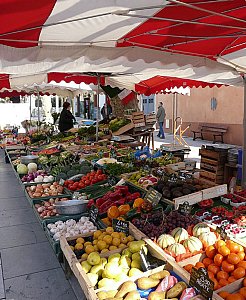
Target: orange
216	284
233	259
234	248
223	282
222	275
223	294
188	267
242	264
210	251
241	249
244	282
241	255
239	272
199	265
236	296
219	243
213	268
242	291
207	261
227	267
218	259
223	250
210	274
231	279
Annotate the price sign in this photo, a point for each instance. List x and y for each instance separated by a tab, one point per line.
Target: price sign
173	178
76	195
61	181
200	281
112	180
185	208
160	172
93	214
120	226
153	196
221	231
185	175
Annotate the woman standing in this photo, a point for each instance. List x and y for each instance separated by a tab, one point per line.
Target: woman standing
66	118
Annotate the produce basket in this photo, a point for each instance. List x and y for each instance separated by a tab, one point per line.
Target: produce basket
56	244
87	285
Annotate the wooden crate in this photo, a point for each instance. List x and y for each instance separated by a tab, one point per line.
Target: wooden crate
86	286
213	155
150	119
191	199
234	287
138	119
217	177
215	191
124	129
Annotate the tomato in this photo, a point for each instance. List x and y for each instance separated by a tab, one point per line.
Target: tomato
81	185
72	187
93	181
100	177
87	182
99	172
76	184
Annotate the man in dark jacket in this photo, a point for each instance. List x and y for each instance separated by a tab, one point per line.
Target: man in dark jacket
66	118
160	116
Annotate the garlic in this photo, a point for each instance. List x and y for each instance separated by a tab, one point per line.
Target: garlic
51	226
53	231
58	222
83	219
57	236
61	226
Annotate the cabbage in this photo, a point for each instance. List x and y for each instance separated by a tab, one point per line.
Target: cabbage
22	169
32	167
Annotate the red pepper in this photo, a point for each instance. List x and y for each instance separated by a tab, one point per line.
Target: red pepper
120	202
90	203
123	188
106	204
115	195
99	202
135	196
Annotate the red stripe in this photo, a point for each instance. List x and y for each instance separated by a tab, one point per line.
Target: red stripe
128	98
18	15
69	77
4	81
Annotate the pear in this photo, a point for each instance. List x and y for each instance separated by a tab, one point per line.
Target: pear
105	295
86	266
93	278
114	257
134	295
106	283
134	272
125	262
121	277
136	246
126	287
136	264
112	270
127	252
93	258
103	261
136	256
146	283
97	269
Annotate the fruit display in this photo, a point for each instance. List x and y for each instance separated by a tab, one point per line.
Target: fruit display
85	181
71	228
46	209
224	261
45	190
101	241
238	292
142	179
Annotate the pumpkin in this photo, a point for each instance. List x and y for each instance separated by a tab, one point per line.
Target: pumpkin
207	238
123	209
138	202
176	249
179	234
165	240
200	228
113	212
193	244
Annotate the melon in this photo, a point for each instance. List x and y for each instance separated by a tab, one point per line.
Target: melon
165	240
200	228
208	238
193	244
179	234
176	249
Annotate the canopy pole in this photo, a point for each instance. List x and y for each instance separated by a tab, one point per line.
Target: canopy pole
30	107
97	121
244	137
38	111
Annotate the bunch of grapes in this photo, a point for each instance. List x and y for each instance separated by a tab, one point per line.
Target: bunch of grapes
176	219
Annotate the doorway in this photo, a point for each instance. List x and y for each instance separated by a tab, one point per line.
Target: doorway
148	104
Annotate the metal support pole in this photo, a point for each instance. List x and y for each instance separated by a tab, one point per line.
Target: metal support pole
244	137
97	121
30	107
38	111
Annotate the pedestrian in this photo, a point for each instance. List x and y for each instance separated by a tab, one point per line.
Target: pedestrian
66	118
106	111
160	116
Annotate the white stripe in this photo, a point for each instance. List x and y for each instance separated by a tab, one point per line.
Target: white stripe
109	27
123	94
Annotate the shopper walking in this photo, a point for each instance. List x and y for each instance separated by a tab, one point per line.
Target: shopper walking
160	116
66	118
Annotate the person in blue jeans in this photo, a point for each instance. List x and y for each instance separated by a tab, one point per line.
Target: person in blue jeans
160	116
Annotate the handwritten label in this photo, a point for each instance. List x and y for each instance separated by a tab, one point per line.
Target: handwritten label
120	226
185	208
93	214
200	281
221	231
185	175
61	181
153	196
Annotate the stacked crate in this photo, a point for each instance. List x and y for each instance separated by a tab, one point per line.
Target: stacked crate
212	165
